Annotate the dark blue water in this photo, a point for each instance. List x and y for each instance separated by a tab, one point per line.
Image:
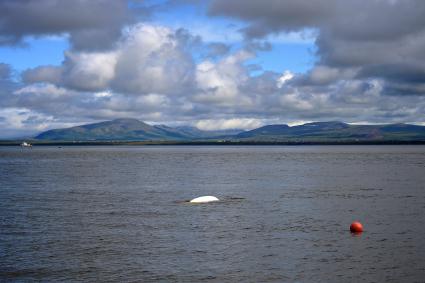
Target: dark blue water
118	214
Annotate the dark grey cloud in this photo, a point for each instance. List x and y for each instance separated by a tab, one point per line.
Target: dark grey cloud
7	84
391	88
353	19
91	24
396	72
273	15
49	73
217	49
5	71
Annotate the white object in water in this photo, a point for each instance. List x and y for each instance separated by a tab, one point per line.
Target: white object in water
204	199
25	144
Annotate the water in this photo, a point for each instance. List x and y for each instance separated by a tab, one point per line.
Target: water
118	214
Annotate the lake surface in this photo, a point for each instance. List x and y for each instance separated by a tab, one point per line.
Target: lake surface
118	214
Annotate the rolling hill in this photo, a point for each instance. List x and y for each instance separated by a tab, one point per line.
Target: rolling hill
335	131
130	130
119	129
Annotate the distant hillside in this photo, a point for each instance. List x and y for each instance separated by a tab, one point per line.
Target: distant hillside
130	130
135	130
119	129
335	131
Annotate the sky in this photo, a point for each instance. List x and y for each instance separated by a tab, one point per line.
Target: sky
214	64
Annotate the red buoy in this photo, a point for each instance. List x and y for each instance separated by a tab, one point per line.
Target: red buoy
356	227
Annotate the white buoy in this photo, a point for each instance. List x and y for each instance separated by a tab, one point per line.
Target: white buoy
204	199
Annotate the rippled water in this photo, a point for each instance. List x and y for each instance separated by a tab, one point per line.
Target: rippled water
119	214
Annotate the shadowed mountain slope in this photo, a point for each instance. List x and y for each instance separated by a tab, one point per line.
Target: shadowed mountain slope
119	129
335	131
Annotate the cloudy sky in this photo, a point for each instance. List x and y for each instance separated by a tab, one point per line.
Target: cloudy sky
214	64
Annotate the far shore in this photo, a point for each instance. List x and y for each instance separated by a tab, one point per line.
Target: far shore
203	142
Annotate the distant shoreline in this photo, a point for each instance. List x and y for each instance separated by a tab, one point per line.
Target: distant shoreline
218	143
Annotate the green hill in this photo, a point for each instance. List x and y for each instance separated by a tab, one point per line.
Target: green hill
335	131
119	129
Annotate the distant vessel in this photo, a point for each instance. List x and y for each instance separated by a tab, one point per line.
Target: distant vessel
25	144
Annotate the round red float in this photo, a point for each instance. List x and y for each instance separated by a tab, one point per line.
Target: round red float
356	227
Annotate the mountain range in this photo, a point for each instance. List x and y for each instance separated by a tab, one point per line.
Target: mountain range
135	130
